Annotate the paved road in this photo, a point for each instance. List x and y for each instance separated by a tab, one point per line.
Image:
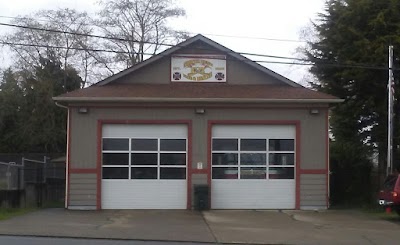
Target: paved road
345	227
26	240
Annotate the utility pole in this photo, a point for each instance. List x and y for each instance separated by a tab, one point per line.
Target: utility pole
389	169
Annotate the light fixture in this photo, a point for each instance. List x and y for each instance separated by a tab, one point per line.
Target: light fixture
83	110
314	111
199	110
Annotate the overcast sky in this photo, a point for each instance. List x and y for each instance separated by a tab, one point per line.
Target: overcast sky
241	25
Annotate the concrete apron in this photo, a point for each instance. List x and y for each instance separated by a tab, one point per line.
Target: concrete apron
258	227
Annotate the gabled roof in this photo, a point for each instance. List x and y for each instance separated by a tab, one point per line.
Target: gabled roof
188	42
194	92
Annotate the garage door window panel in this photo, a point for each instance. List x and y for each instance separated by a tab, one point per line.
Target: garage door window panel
253	173
115	172
253	144
281	172
225	145
225	159
172	145
144	158
115	159
225	173
144	145
144	173
281	159
281	145
253	159
173	159
256	158
115	144
249	153
172	173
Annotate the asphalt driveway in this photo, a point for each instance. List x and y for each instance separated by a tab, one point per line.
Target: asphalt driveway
258	227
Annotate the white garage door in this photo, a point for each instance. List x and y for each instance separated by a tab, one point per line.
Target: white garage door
144	167
253	167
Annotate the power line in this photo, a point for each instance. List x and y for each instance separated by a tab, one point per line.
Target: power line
129	40
82	34
256	38
207	34
309	63
61	47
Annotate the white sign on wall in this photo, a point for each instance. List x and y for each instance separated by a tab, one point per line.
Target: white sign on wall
198	68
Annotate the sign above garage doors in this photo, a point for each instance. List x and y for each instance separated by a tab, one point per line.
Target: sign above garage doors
198	68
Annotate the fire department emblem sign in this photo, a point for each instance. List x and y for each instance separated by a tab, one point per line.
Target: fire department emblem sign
198	68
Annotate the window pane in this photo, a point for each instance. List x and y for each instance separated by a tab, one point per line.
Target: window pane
281	145
225	159
172	173
115	173
173	159
253	145
115	144
253	159
225	173
144	173
144	159
115	158
173	145
390	182
281	173
225	144
253	173
144	145
281	159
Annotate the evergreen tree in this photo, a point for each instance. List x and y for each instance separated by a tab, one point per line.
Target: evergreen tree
32	120
350	54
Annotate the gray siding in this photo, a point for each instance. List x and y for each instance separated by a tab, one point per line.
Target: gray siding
313	191
199	179
313	142
83	190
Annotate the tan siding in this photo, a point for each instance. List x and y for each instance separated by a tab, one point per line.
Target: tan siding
199	179
199	145
314	141
83	137
312	190
82	190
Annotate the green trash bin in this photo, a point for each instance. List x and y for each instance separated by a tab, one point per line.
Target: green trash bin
201	197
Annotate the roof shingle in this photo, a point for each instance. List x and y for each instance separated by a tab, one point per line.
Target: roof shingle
196	90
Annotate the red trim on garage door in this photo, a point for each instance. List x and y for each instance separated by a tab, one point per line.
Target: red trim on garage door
188	123
296	123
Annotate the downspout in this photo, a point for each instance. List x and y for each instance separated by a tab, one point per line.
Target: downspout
66	157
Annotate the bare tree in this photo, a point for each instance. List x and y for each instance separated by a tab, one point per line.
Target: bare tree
32	40
137	29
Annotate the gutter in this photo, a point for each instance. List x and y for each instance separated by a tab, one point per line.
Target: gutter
66	156
224	100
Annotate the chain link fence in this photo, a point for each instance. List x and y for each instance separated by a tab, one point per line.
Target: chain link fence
31	183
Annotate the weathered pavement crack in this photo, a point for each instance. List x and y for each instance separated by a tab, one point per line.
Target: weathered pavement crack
209	228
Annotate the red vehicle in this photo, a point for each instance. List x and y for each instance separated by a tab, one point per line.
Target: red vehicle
389	196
